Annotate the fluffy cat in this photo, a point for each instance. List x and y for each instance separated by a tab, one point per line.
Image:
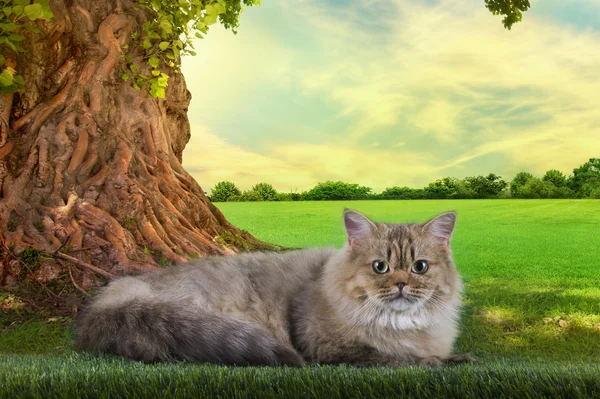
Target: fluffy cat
390	297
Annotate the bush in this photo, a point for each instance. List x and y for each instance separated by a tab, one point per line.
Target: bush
266	191
336	191
288	197
251	196
401	193
223	191
236	198
564	192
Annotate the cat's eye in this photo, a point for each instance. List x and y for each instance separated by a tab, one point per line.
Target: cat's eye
420	267
380	266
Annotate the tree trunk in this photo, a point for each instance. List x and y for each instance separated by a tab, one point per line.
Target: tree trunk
90	166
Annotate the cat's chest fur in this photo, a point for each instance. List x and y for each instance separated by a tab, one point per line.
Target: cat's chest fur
329	324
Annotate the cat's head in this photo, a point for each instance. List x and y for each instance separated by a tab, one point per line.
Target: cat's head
397	267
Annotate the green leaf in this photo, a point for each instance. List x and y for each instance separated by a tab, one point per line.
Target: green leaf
160	92
16	38
155	72
18	10
211	15
48	14
9	89
11	45
210	19
210	9
146	44
162	81
163	45
219	8
8	27
33	29
166	27
153	62
125	76
133	68
7	11
6	78
19	81
34	11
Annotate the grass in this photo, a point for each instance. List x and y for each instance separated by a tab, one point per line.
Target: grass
532	313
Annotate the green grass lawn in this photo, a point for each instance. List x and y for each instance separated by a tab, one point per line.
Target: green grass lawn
532	313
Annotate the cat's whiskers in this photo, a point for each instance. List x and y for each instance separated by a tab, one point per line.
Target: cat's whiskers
443	309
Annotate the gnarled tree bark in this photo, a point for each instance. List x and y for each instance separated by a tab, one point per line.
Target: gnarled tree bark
92	166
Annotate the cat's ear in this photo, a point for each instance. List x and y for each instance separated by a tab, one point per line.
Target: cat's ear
358	226
442	226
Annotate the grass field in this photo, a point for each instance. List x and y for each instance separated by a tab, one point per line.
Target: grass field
532	313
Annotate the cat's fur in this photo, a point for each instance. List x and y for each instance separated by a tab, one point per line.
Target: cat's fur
312	305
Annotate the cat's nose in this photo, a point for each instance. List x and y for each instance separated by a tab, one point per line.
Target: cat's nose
400	285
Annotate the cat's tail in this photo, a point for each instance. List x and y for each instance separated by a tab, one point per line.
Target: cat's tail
157	331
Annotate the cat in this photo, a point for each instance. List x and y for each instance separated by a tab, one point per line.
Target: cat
389	297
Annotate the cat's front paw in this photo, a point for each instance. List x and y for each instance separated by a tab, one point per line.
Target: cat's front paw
432	361
435	361
460	359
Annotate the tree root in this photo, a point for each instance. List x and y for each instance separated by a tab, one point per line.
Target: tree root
83	265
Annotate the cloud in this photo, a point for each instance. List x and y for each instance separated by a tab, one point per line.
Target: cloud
210	159
442	88
298	167
453	73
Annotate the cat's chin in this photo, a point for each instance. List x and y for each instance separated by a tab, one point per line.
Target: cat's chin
402	303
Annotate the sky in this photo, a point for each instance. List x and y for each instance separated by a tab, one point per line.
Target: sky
393	93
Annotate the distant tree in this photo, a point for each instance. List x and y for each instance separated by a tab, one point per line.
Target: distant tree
595	194
555	177
400	193
266	191
512	10
337	190
489	186
437	190
223	191
519	181
537	188
458	187
585	178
